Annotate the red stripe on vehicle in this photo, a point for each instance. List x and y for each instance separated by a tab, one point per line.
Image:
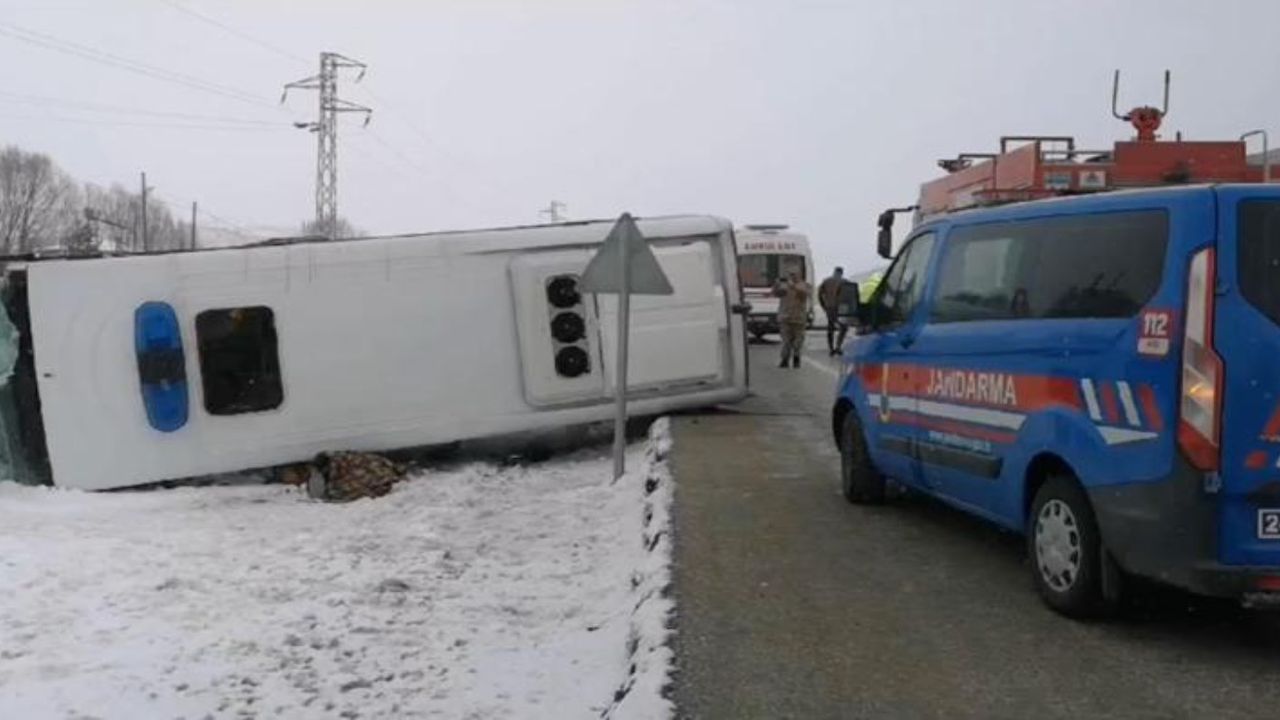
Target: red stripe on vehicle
903	380
1109	408
1256	460
870	376
1150	407
1029	392
1038	393
952	426
1272	431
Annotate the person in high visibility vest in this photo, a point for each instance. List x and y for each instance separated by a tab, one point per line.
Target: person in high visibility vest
868	287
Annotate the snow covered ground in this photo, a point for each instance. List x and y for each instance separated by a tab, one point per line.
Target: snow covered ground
479	592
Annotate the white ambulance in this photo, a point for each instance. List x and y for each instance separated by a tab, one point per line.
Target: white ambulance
766	254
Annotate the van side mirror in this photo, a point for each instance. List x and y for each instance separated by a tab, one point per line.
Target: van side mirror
849	307
884	242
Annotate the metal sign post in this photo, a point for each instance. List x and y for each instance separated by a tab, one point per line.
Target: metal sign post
624	349
624	264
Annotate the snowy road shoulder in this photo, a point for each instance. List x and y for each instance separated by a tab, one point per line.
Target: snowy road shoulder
479	592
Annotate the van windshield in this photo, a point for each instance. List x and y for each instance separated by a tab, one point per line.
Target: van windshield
761	271
1260	255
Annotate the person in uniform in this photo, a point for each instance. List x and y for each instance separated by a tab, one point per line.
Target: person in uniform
793	315
829	299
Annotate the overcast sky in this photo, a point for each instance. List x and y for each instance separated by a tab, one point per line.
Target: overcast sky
816	114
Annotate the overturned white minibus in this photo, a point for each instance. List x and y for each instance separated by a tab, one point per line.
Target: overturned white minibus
133	370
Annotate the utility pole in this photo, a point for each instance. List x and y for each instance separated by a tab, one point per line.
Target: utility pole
94	216
552	211
193	225
326	129
146	244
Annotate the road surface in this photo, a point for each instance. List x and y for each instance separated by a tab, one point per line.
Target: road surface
794	604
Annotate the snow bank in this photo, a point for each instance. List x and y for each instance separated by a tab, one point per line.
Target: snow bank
641	695
523	592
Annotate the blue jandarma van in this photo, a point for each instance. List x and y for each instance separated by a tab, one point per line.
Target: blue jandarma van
1100	373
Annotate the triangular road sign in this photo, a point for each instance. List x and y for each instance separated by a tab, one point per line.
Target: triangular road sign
604	272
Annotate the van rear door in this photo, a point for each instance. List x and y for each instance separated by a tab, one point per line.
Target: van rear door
1246	334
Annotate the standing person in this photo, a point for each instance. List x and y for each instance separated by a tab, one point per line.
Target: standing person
793	315
829	299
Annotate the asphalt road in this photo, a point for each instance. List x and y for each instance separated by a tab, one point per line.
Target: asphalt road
794	604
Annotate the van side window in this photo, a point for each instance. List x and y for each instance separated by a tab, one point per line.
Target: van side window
977	281
904	285
239	360
1090	266
1259	248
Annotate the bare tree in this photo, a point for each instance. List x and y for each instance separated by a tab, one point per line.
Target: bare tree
116	213
38	202
163	231
42	208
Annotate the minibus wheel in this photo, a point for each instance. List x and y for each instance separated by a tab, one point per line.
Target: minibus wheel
1065	550
860	482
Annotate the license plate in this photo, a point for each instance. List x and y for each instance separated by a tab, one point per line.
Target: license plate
1269	524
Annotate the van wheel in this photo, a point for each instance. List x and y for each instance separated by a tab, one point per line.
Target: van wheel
860	482
1065	547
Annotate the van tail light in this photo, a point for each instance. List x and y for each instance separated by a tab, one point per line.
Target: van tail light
1200	415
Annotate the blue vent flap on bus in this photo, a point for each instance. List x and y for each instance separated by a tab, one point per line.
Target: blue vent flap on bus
162	365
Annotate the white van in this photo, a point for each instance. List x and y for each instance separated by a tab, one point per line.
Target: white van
146	368
766	253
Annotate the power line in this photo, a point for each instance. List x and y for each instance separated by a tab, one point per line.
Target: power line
105	58
123	110
427	140
404	119
293	56
228	225
238	33
313	83
126	123
402	157
239	229
407	162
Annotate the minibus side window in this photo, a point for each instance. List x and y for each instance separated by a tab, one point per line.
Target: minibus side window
239	360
